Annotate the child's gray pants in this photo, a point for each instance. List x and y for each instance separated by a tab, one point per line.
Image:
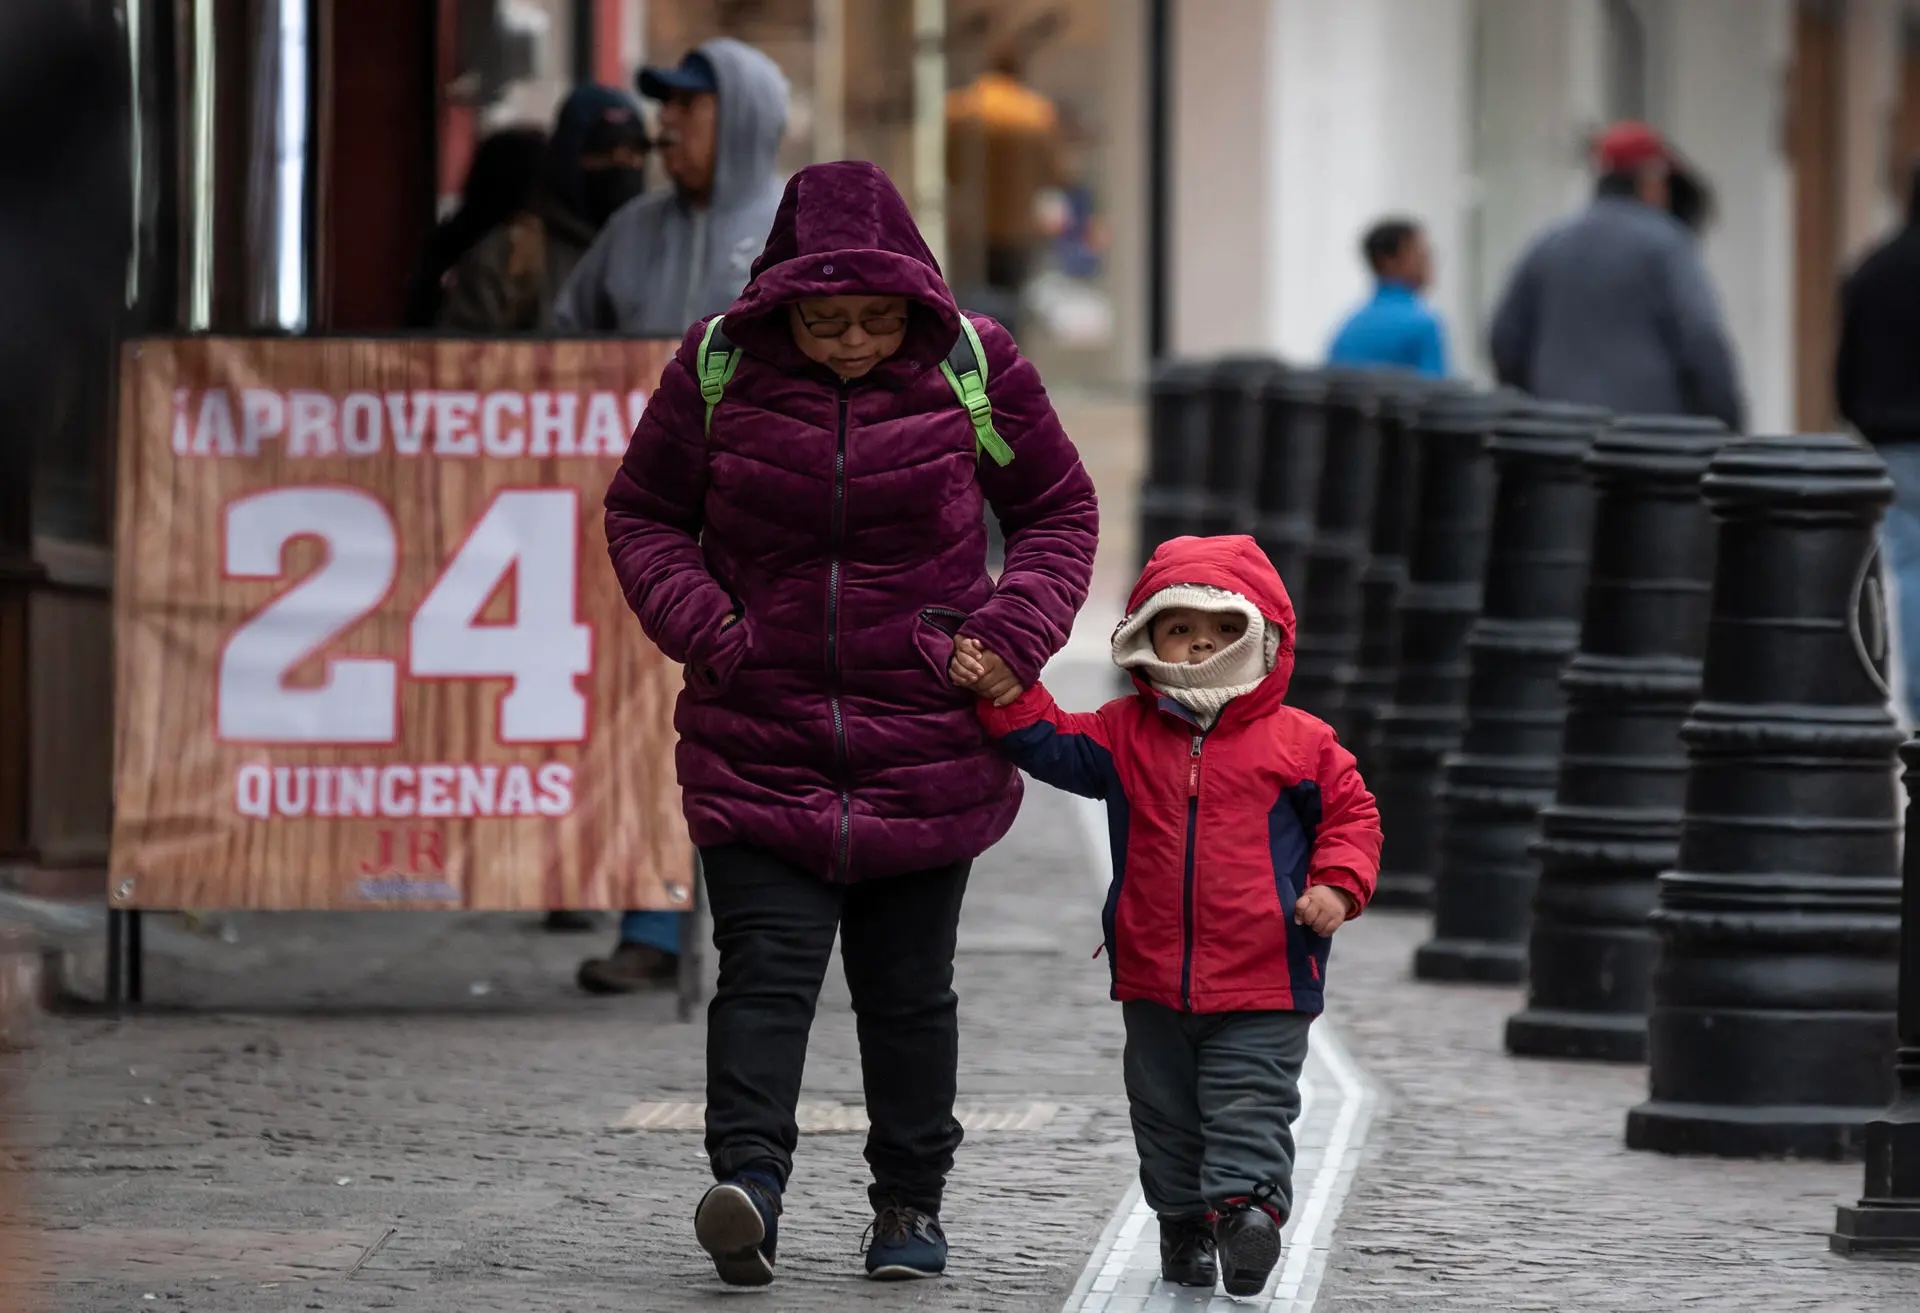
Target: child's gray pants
1213	1099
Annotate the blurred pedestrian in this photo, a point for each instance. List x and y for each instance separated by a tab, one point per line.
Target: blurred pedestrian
660	265
1877	387
1690	199
1396	328
686	253
1004	154
500	186
593	165
798	521
1613	307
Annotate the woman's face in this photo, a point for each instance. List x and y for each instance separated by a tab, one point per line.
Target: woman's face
849	334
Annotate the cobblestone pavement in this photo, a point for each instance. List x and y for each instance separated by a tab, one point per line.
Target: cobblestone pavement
372	1133
1492	1183
419	1113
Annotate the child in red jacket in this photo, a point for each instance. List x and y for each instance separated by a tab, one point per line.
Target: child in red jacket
1243	837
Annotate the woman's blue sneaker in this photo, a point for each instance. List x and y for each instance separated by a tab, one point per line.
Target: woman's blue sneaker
738	1223
904	1244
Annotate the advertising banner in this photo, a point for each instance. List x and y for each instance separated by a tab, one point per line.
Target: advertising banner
370	652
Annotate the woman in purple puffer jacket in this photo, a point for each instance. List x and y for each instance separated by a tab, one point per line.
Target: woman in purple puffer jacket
811	549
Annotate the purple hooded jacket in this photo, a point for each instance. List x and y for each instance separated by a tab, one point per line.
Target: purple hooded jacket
843	523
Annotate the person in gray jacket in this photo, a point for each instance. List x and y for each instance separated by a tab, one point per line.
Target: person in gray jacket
666	260
1613	307
661	263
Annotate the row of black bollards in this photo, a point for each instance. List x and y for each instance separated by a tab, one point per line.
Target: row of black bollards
1619	687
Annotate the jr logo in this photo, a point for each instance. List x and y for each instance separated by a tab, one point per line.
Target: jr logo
413	851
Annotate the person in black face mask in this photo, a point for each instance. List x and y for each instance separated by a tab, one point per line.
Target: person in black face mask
594	164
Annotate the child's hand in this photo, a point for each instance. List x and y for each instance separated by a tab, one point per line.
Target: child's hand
1323	909
982	671
966	668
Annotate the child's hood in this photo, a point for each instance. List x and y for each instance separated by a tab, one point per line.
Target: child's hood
1233	563
843	229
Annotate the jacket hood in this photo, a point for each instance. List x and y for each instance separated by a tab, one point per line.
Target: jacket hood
752	120
1234	564
588	116
844	229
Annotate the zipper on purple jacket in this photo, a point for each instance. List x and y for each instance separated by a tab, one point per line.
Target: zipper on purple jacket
843	849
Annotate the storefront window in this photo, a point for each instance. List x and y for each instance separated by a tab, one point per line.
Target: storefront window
997	118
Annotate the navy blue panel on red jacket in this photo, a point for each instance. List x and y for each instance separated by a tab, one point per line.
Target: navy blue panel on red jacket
1216	832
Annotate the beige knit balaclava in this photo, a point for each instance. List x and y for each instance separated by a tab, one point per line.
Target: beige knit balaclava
1204	687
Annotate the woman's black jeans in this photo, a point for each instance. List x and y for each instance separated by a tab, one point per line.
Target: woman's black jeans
773	926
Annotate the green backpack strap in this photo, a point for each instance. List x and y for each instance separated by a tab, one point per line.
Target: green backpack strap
715	364
966	371
965	368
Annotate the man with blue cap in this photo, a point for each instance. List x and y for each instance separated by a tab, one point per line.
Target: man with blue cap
661	263
670	258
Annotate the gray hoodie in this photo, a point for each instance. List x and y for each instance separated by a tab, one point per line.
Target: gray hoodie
1613	308
660	263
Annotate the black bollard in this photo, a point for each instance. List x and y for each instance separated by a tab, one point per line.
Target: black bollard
1774	979
1614	823
1384	577
1886	1221
1174	500
1233	442
1292	436
1328	631
1492	788
1446	555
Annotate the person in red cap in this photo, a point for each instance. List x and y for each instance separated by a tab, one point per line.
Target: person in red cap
1613	307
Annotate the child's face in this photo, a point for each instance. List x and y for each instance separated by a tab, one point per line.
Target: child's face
1185	637
849	334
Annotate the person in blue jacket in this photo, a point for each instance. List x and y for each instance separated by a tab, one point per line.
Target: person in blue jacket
1396	328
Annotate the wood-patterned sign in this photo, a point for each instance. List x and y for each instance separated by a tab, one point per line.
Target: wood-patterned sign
370	650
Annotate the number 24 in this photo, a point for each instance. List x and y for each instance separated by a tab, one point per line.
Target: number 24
542	651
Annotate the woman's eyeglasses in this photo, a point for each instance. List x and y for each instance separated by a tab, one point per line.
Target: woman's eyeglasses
873	326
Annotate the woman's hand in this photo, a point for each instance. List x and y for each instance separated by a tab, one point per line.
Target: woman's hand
986	674
1323	909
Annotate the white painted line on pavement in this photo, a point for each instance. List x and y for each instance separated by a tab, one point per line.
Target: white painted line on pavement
1126	1258
1318	1207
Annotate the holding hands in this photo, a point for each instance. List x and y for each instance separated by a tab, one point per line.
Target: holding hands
1323	909
973	667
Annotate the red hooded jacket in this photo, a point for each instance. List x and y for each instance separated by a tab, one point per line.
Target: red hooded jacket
1215	832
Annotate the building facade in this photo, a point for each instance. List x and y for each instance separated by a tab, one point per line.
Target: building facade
1211	165
1295	124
